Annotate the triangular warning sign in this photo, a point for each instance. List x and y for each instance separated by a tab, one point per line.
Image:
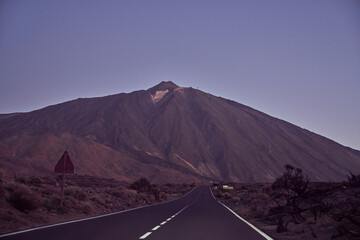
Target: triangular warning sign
64	165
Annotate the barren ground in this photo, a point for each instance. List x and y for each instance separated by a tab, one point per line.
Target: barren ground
28	202
328	211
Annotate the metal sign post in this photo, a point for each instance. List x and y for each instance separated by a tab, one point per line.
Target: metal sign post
64	165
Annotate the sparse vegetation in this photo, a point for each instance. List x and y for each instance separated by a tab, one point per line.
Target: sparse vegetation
32	201
87	209
347	209
290	191
76	193
294	208
144	186
354	180
23	199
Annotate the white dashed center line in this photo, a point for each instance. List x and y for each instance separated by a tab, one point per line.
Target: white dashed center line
161	224
145	235
155	228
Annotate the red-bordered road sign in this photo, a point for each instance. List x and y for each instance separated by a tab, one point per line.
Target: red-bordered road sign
64	165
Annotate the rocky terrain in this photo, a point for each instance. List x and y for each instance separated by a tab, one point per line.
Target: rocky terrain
28	202
292	208
167	133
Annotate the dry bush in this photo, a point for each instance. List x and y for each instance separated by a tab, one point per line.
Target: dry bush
48	192
23	199
52	203
353	180
76	193
62	210
118	192
144	186
253	190
2	191
87	209
141	185
289	192
49	181
293	183
261	212
32	181
227	195
98	201
347	213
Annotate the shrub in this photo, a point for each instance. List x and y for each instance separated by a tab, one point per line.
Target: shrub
52	204
87	209
76	193
292	181
227	195
253	190
62	210
35	181
23	199
141	185
291	189
353	180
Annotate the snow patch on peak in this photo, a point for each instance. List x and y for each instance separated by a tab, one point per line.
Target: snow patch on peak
180	89
159	95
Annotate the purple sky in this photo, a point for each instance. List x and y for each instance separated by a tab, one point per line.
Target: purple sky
295	60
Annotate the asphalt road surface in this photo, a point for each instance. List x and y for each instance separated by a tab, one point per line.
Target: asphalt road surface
196	216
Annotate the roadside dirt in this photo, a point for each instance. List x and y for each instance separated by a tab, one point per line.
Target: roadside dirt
29	202
327	210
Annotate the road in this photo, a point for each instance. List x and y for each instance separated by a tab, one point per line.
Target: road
196	216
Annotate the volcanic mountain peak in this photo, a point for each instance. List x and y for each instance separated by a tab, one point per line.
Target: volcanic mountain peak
159	91
163	86
187	136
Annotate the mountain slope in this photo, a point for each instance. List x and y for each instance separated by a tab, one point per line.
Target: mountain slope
168	133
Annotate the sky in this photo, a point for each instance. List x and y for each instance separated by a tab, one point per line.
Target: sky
295	60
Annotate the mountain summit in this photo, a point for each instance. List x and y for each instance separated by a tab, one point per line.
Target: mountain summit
160	90
163	86
167	134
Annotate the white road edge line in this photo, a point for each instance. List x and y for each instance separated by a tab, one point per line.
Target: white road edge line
252	226
212	193
90	218
145	235
162	223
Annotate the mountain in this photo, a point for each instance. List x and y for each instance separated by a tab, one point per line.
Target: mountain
167	134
